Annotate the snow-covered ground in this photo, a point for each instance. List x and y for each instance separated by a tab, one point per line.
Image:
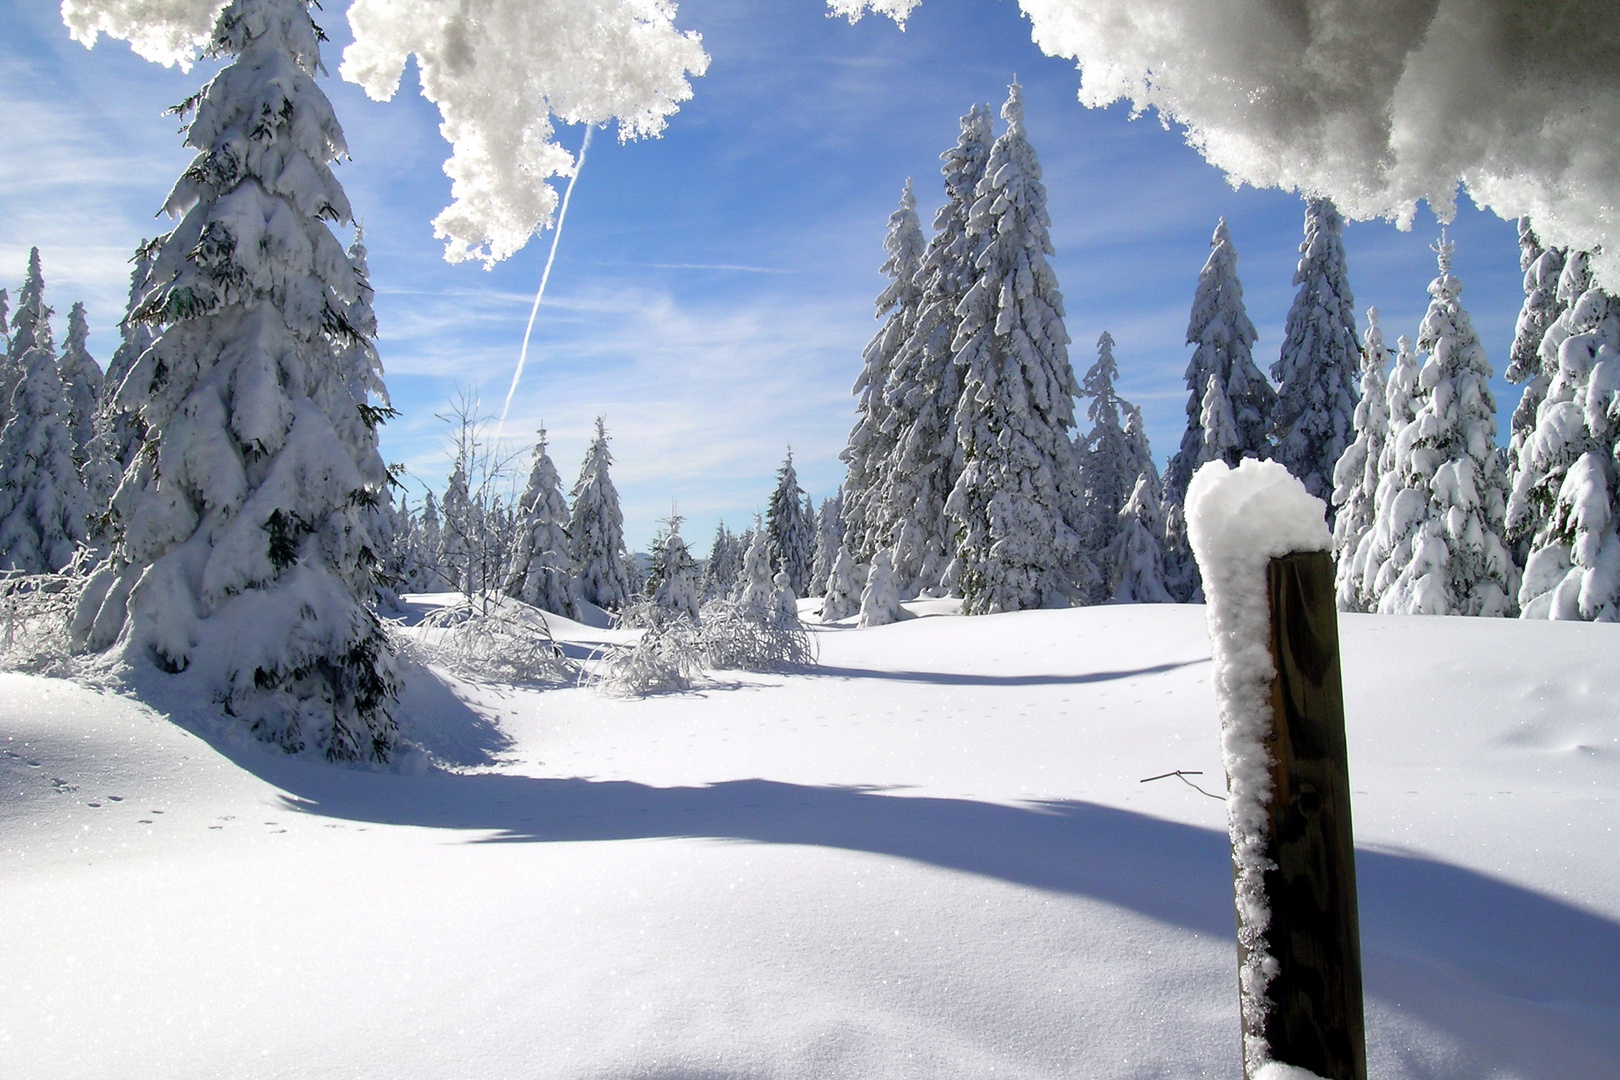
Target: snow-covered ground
929	857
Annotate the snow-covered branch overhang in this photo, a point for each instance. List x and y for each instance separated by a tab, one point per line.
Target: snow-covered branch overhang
501	72
1379	104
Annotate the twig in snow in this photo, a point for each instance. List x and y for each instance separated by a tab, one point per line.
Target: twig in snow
1182	774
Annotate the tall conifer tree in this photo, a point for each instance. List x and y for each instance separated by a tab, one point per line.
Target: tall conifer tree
539	573
790	534
81	382
1316	371
926	385
30	325
1357	475
1017	508
1223	342
1543	303
870	452
1441	517
1109	465
43	506
596	531
1566	495
249	515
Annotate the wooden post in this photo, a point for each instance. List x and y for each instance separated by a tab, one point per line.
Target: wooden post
1314	1017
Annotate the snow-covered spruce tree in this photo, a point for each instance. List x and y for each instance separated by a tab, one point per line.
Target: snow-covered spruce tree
1566	494
43	506
390	537
81	382
1356	476
784	601
722	566
30	326
1441	519
118	427
539	573
757	589
1220	428
245	555
1137	554
596	531
1109	464
1223	341
870	451
829	534
880	600
363	371
5	323
1574	279
1543	303
431	573
844	584
790	533
673	582
1314	417
1017	510
926	384
458	529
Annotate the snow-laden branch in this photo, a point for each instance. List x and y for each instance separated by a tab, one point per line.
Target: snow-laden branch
1376	103
500	71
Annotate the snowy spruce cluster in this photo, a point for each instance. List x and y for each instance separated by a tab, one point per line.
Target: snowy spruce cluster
216	504
967	473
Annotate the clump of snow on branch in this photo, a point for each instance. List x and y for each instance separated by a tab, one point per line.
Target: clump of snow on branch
168	32
501	72
1377	105
898	10
1238	520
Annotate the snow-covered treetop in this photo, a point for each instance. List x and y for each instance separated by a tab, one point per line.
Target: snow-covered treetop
904	245
500	71
31	325
1099	384
1377	106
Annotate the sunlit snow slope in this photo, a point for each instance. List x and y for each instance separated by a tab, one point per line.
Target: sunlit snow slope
929	857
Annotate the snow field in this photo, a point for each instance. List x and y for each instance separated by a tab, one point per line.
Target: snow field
930	856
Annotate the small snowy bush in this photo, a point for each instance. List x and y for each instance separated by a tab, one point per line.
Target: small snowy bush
35	612
738	636
880	601
507	642
665	660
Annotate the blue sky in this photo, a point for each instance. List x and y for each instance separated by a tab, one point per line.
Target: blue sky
713	289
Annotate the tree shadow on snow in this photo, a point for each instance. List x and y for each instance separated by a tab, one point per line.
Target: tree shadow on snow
1528	983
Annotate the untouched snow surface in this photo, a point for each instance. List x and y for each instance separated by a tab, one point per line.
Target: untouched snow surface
930	857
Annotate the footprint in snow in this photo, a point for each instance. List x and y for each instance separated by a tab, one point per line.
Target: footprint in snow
115	798
62	786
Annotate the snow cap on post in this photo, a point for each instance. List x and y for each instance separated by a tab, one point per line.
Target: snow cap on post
1238	520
